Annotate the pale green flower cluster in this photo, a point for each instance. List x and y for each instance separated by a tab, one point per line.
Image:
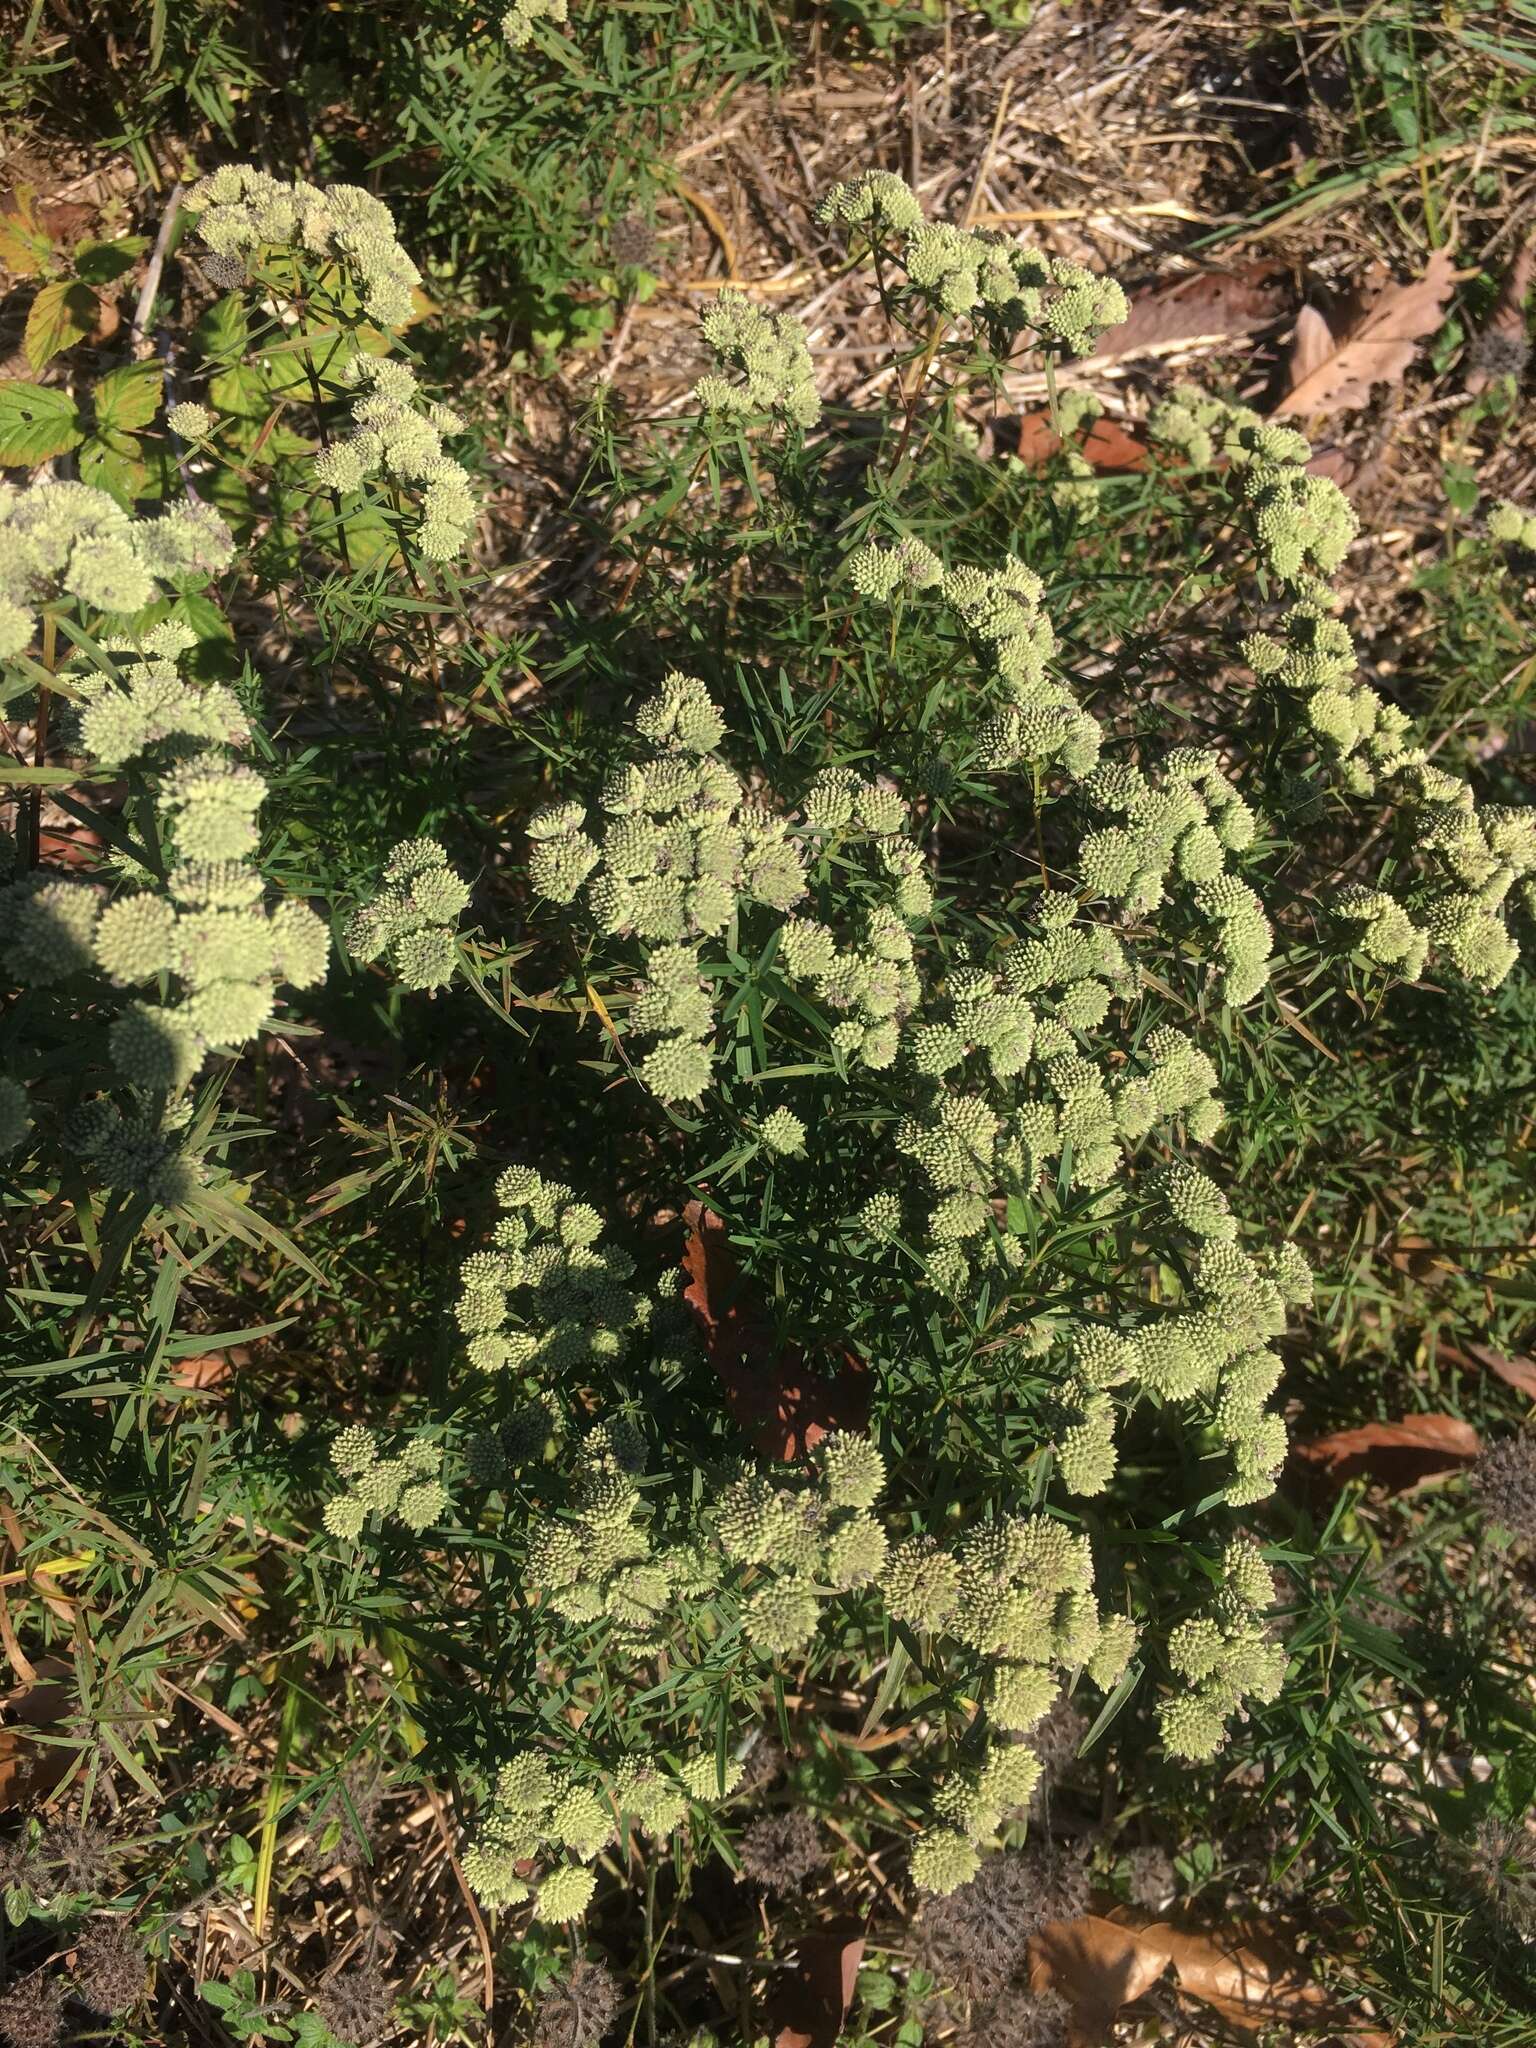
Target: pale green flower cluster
772	355
398	435
574	1302
960	271
1213	1351
1512	526
597	1563
66	540
541	1810
206	926
1017	1595
1001	613
1226	1654
682	849
133	1153
804	1543
1185	823
1006	1091
243	213
413	920
192	422
1468	861
518	21
407	1489
871	985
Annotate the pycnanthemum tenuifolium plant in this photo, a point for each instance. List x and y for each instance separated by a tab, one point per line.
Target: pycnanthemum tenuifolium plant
1470	860
412	921
894	1320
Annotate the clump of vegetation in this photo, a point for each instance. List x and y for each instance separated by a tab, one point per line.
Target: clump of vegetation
709	1270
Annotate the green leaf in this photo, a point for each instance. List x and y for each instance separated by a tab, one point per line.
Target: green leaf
1460	485
223	332
129	397
14	774
111	464
36	424
106	262
63	313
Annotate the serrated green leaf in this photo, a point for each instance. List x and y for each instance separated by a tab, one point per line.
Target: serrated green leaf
36	424
106	262
223	333
110	463
63	313
129	397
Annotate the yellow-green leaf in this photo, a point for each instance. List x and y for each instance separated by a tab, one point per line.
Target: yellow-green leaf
26	246
36	424
113	465
63	313
129	397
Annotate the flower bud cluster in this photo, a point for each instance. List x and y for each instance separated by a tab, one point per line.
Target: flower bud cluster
131	1153
206	926
770	351
518	22
541	1809
682	849
243	214
1212	1352
407	1489
1018	1595
597	1563
1001	613
1466	862
960	272
1226	1655
573	1303
871	985
413	920
1004	1090
398	436
69	540
814	1540
1512	527
1183	824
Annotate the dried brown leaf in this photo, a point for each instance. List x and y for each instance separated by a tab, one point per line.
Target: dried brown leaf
773	1393
1376	349
1107	445
1518	1372
1400	1456
1098	1966
1213	305
811	2004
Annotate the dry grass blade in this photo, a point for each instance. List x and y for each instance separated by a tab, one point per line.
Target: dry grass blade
1377	349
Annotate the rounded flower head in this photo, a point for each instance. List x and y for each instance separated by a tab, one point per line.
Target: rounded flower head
942	1861
852	1469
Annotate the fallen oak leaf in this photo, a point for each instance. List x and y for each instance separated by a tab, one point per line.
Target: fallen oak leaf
1098	1966
1376	349
1519	1372
1400	1456
1212	305
1107	446
773	1394
810	2005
